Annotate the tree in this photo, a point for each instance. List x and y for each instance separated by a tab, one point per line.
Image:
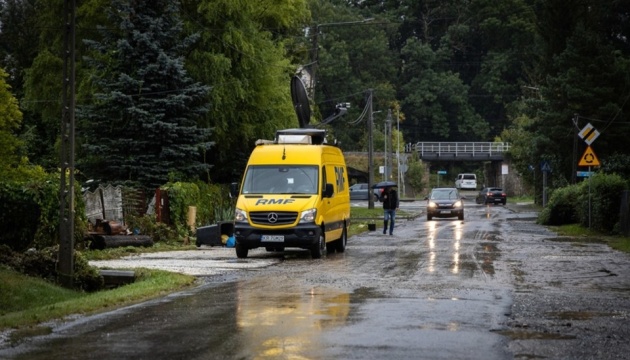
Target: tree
415	176
243	53
585	74
141	124
435	101
10	118
14	164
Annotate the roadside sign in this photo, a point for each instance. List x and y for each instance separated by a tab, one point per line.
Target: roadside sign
584	173
441	172
545	167
589	134
589	158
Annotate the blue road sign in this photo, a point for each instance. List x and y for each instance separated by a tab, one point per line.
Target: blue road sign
544	166
441	172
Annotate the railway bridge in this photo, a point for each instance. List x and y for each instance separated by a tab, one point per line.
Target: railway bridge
459	151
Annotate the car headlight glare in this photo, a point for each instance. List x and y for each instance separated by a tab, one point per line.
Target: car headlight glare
308	216
432	205
240	215
458	204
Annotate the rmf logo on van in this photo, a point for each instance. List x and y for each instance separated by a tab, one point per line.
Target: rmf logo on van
274	201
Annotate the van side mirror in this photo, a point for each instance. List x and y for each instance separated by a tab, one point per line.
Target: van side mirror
329	190
234	189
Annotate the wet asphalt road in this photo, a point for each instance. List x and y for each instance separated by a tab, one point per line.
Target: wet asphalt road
494	286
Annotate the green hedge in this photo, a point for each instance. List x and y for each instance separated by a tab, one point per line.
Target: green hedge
562	207
570	204
605	199
212	202
30	214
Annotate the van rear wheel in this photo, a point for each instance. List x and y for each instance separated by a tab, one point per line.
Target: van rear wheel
340	245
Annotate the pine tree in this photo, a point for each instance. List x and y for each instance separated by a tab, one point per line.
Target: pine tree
140	127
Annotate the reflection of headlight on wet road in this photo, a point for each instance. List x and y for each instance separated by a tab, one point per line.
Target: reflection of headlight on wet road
458	237
431	237
458	232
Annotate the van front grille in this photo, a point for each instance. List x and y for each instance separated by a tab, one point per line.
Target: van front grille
271	218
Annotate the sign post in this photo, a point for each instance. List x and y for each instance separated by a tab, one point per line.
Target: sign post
589	159
545	168
440	172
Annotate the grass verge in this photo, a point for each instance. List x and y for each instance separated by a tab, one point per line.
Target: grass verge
26	302
580	233
361	217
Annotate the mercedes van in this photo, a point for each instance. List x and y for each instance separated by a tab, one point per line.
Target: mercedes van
294	193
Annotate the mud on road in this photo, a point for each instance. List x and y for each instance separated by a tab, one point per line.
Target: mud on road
495	286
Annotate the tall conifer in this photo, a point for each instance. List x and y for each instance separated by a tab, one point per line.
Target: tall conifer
141	125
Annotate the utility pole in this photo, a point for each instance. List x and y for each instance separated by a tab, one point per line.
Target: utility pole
398	167
370	151
388	146
65	268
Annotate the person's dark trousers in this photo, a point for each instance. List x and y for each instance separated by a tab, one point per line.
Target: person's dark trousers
390	216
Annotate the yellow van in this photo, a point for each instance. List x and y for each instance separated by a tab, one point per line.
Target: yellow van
294	193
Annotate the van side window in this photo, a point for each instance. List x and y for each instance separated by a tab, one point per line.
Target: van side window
324	179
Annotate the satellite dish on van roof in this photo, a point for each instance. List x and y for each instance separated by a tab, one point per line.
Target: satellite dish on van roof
300	101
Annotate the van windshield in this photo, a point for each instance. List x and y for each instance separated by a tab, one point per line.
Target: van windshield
281	179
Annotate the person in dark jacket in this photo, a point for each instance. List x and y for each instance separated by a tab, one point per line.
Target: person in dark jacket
389	197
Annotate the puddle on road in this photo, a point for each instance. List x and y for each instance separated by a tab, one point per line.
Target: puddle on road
363	294
578	240
578	315
532	335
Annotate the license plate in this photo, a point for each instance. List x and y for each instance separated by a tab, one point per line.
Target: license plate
272	238
445	212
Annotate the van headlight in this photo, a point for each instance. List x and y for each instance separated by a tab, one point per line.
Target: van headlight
240	215
308	216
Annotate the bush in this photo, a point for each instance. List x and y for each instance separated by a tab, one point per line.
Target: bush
148	225
30	214
562	207
43	264
605	200
212	202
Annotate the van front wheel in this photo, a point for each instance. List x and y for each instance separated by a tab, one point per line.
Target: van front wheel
317	250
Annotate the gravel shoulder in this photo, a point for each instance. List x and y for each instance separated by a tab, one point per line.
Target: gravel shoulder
570	300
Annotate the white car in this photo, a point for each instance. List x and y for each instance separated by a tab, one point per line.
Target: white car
466	181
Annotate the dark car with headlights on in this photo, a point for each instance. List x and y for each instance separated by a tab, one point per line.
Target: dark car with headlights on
444	203
491	195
